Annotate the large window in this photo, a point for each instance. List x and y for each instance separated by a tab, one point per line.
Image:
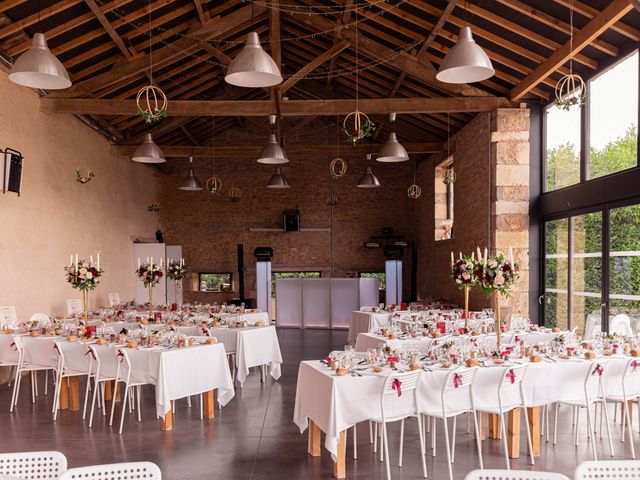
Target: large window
556	311
215	282
562	142
613	119
381	276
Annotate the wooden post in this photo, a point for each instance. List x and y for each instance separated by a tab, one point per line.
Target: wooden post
314	435
74	394
340	467
482	425
108	390
208	398
513	433
494	426
64	394
534	426
167	422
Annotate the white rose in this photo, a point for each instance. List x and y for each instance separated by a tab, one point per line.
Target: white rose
458	280
499	280
470	266
85	264
83	271
89	275
466	276
492	264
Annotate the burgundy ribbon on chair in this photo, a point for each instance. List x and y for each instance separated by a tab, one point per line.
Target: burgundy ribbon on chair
635	364
205	332
13	346
55	347
457	380
397	386
90	352
120	356
597	370
511	375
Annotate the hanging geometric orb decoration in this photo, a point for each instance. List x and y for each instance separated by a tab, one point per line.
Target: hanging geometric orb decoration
214	185
338	167
570	91
152	103
332	201
414	192
234	194
357	126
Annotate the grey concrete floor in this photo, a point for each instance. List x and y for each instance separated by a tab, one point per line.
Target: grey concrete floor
254	436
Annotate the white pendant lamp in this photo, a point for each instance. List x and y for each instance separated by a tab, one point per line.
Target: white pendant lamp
148	152
253	67
278	180
190	183
368	180
39	68
392	150
273	153
466	62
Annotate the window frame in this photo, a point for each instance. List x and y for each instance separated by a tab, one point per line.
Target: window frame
376	272
231	275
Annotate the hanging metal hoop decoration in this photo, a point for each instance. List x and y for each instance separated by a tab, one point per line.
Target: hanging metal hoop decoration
152	103
82	179
234	194
214	184
414	192
338	167
570	91
332	201
357	126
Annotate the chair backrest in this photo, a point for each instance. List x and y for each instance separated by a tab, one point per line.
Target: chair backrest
124	364
8	315
460	378
513	475
39	317
609	469
408	382
33	465
512	376
621	325
114	299
74	306
115	471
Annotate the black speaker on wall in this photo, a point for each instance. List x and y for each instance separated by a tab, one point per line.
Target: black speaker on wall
13	161
291	221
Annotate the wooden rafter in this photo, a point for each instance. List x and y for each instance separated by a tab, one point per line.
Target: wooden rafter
95	8
202	15
636	4
312	65
610	15
343	19
435	31
293	108
590	12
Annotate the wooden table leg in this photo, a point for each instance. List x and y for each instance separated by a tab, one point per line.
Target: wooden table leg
630	406
74	394
108	390
314	439
208	398
64	394
482	425
513	433
340	467
494	426
534	426
167	422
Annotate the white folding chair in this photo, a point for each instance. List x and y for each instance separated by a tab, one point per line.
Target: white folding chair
593	395
25	366
458	382
511	379
123	374
115	471
608	469
33	465
102	367
72	362
630	377
394	386
513	475
621	325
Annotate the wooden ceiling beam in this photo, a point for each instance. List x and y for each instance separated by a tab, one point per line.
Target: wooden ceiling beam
636	4
216	27
274	33
435	31
202	15
590	12
599	24
401	62
555	23
313	64
109	29
291	108
181	151
343	19
43	14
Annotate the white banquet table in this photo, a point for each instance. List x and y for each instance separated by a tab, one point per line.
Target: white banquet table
362	321
333	404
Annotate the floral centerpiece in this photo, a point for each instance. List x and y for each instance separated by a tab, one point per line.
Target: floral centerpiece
84	275
150	275
499	275
466	273
176	271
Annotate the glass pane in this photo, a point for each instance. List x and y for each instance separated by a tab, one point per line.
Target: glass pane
562	140
586	274
613	106
379	275
556	273
624	269
215	282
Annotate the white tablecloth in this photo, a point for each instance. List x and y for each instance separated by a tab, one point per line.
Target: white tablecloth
362	322
253	346
336	403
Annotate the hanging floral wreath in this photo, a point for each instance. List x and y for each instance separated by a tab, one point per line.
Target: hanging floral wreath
81	179
234	194
570	91
214	184
338	167
152	103
414	192
361	127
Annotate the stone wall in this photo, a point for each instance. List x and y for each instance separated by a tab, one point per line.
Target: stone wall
56	216
209	227
491	204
